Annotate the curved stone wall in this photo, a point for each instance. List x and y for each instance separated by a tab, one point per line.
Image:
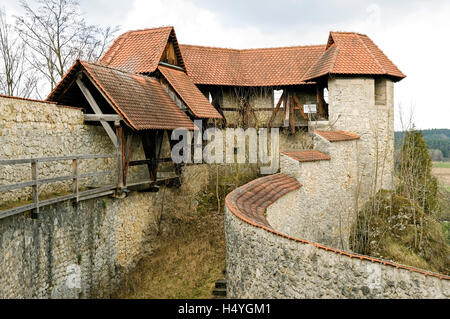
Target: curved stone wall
264	263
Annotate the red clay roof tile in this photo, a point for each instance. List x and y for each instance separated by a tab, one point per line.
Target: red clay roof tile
253	198
345	53
139	51
337	136
139	99
189	93
352	53
251	67
307	155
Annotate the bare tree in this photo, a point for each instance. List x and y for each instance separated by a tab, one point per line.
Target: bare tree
15	80
57	34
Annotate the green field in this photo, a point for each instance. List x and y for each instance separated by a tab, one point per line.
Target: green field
441	164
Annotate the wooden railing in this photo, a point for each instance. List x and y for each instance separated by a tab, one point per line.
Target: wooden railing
35	182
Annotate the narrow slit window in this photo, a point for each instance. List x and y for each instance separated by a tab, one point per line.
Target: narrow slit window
380	91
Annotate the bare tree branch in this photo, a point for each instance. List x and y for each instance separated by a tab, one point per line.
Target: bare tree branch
57	34
15	79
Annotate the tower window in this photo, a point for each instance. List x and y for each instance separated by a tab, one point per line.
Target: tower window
380	91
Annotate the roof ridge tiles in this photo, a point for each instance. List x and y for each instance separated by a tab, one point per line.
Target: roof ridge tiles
371	54
254	49
115	69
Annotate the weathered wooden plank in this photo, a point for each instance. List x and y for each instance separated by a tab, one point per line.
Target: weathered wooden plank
16	210
97	190
94	174
55	200
54	158
128	154
101	194
291	114
320	101
119	156
35	188
142	162
4	188
54	179
97	110
300	107
101	117
75	179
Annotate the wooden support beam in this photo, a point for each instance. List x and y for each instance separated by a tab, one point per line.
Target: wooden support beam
119	155
248	110
277	107
75	180
320	101
35	189
291	113
101	117
151	142
300	107
96	109
128	154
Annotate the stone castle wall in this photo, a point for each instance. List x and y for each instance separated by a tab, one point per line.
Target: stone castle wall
81	250
327	198
352	107
30	129
263	263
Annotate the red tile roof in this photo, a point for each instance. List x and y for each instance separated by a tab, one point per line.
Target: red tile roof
139	51
252	199
189	93
337	136
252	67
307	155
345	53
140	100
352	53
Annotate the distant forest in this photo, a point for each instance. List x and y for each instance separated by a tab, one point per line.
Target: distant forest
438	142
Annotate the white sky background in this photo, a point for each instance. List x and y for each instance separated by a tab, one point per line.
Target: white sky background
413	34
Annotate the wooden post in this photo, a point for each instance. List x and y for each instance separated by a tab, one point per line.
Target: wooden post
151	142
35	189
75	180
119	156
320	101
300	107
291	114
127	156
96	109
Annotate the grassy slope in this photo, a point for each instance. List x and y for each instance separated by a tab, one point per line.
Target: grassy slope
192	257
186	265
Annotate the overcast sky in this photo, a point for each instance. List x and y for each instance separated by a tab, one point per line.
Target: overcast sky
413	34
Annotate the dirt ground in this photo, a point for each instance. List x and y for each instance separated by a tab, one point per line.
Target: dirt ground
443	174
